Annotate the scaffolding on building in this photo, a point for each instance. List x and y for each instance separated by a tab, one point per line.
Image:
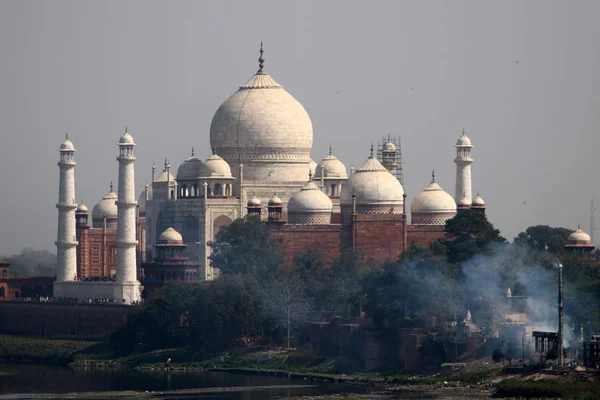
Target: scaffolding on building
389	154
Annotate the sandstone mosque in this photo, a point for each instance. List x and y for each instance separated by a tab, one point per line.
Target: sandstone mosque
261	138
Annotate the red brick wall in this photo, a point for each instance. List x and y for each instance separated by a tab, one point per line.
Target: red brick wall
295	238
380	236
424	235
91	255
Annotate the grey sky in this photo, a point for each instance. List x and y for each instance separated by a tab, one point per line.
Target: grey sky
522	77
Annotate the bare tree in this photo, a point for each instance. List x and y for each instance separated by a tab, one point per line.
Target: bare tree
288	303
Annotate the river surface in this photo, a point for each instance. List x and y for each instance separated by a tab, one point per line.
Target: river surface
18	380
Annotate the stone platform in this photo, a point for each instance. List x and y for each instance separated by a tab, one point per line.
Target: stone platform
121	292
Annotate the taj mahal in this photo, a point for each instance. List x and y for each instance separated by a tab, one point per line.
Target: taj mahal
261	139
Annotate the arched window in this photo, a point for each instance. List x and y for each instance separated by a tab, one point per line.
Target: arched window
219	223
218	189
333	192
227	190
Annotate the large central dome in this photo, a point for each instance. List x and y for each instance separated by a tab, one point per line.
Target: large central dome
264	128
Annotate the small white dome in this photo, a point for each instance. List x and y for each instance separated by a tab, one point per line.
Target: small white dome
67	145
107	206
82	208
215	167
126	139
478	201
190	169
254	202
463	141
170	236
275	201
330	167
373	186
310	199
579	236
389	147
165	176
433	200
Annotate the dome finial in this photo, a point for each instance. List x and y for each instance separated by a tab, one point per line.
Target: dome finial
309	175
329	149
111	186
463	131
166	163
578	226
261	59
125	128
478	193
66	136
192	151
372	149
433	176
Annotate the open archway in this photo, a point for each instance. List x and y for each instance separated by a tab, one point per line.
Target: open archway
219	223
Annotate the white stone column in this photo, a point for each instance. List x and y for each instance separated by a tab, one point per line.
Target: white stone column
463	162
126	206
66	245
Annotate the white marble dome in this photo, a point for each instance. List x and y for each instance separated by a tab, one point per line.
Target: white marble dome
376	189
331	167
82	208
190	169
275	201
433	200
170	236
165	176
579	237
478	201
389	147
254	202
126	139
107	206
266	129
310	206
215	167
67	145
464	141
433	206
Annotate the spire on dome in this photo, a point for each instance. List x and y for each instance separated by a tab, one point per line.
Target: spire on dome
192	152
372	149
165	164
111	186
309	175
66	136
261	60
125	128
329	149
433	176
463	131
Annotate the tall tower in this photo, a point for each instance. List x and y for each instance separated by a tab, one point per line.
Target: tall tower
463	162
66	244
126	206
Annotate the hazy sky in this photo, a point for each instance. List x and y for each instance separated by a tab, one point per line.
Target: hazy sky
522	77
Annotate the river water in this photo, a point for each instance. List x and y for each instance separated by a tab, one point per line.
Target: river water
17	380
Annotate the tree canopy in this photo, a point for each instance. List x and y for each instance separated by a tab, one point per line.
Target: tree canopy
469	233
245	247
544	237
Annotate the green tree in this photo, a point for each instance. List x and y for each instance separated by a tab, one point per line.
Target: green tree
245	247
469	233
544	237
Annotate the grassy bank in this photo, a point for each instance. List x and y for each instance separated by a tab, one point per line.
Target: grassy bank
40	350
548	389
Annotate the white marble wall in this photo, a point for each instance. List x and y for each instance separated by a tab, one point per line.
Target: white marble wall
126	228
66	245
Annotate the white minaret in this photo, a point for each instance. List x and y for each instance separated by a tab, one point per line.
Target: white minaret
463	162
126	205
66	245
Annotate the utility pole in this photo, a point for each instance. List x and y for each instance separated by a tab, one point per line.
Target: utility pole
560	315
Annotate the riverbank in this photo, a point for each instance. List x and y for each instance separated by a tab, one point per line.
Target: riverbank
40	350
